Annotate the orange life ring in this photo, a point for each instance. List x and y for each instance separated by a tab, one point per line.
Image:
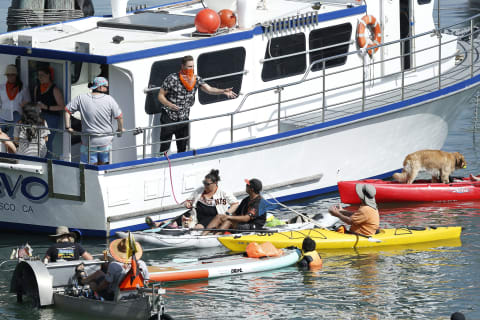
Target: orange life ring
363	39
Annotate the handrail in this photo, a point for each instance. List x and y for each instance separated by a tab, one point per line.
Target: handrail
399	75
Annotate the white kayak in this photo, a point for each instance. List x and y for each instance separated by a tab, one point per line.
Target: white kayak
225	265
188	238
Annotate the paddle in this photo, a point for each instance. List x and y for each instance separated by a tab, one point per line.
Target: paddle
172	219
188	260
239	230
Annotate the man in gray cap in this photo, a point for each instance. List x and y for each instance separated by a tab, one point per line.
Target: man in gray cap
366	219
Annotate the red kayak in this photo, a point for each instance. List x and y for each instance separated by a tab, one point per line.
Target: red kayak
420	190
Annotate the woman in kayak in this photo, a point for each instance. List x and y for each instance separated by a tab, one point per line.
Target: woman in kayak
366	219
209	201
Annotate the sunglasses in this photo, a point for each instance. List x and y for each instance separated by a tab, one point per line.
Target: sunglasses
206	184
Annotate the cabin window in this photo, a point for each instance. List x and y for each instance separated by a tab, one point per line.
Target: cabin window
160	70
424	1
288	66
326	37
216	65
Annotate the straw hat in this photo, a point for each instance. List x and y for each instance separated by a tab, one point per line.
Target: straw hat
118	250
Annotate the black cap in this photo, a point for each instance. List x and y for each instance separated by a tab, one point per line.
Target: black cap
457	316
255	184
308	244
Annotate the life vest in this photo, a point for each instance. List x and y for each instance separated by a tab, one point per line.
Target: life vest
363	39
313	259
133	278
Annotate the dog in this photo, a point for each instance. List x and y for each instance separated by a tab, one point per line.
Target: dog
439	163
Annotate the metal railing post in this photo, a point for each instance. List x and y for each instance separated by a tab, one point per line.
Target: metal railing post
324	100
363	82
471	48
439	59
279	91
144	139
402	66
231	128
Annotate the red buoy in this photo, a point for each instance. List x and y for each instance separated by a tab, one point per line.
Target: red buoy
207	21
227	18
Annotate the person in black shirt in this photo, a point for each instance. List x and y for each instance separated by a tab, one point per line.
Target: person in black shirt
65	247
250	214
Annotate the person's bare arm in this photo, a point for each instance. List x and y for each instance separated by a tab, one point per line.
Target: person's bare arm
87	256
59	100
216	91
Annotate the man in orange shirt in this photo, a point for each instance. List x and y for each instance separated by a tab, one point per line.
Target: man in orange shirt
366	219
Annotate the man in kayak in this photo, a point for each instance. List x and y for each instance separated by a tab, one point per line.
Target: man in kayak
250	214
366	219
65	247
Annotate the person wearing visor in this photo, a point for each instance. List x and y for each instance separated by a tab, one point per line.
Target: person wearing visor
250	214
97	110
366	219
210	201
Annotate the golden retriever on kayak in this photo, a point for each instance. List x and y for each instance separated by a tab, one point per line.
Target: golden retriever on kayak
439	163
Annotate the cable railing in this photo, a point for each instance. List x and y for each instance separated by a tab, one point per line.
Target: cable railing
361	90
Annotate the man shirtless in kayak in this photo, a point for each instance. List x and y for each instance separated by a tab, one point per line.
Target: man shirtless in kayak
366	219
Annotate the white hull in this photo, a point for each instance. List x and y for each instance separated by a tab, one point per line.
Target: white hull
195	240
299	133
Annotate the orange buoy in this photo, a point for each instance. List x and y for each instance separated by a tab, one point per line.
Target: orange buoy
367	25
207	21
227	18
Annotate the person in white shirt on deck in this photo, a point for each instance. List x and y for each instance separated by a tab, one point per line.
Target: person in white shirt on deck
13	97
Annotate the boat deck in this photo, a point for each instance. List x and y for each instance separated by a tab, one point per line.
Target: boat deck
461	71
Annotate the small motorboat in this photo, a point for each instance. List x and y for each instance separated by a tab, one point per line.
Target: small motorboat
55	284
421	190
219	266
328	239
193	238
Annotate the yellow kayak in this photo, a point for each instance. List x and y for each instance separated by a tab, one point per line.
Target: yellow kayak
327	239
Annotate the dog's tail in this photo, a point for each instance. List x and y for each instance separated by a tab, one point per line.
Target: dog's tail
400	177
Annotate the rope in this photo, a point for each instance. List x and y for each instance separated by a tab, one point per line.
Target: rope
171	179
294	211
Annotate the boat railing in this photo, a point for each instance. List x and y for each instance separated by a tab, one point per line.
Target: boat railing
351	105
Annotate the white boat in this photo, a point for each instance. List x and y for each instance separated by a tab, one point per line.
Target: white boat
188	238
313	109
55	285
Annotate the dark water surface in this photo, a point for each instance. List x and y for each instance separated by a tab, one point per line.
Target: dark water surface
420	282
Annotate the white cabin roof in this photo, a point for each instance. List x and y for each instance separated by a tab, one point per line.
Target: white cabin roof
65	36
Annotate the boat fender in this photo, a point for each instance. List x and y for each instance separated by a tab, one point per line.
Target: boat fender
369	34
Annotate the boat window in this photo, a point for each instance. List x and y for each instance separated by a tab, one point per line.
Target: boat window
218	65
328	37
424	1
160	70
288	66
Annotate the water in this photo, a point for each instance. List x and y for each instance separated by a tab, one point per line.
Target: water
419	282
